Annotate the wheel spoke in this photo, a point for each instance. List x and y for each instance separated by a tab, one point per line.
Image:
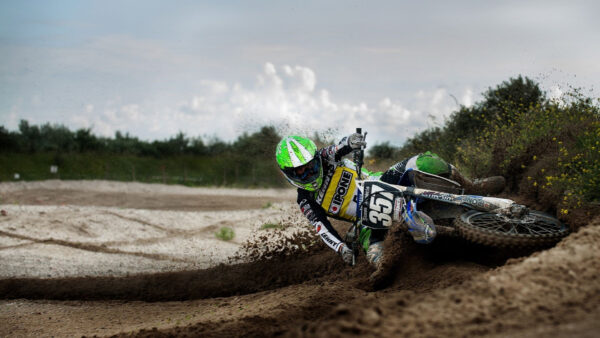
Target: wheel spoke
532	224
530	230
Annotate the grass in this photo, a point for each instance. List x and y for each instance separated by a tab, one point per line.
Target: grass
188	170
225	234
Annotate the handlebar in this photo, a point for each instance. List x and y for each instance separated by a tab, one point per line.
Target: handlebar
359	155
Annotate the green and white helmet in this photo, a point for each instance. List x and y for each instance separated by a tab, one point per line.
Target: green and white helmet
297	158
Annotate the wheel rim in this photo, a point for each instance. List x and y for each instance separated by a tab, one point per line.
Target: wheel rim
531	224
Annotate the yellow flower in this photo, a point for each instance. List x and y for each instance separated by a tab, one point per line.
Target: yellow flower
564	211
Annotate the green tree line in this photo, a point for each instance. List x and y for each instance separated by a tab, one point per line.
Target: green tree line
30	151
58	138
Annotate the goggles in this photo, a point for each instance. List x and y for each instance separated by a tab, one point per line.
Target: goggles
307	173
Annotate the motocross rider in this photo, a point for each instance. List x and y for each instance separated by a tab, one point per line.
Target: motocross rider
326	187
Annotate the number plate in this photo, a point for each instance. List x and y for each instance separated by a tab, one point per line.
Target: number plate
378	205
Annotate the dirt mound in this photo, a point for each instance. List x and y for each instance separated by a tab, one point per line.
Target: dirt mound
439	291
540	294
421	269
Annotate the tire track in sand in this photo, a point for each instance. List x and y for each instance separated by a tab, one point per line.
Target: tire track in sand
92	247
16	246
141	221
172	235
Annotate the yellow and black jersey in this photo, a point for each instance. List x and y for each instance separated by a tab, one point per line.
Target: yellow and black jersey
337	196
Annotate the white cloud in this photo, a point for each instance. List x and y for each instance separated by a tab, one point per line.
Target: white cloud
287	97
467	98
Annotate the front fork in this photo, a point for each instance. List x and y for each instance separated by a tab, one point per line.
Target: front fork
355	244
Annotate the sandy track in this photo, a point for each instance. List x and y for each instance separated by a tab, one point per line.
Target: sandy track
92	186
53	229
56	241
449	288
138	195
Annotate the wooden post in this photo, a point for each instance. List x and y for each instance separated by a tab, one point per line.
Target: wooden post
133	172
164	175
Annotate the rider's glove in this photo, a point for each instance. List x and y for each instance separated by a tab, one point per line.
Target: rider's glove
346	254
356	141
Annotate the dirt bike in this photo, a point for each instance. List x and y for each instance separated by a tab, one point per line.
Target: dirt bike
428	205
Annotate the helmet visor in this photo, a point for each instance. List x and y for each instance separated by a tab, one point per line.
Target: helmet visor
307	173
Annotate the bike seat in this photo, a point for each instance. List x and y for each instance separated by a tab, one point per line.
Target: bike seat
423	180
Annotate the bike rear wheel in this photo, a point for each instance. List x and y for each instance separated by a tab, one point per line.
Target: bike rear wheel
536	229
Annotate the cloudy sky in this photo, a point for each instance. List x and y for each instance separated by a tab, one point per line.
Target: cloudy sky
221	68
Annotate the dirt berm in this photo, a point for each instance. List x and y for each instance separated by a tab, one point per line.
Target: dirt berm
436	293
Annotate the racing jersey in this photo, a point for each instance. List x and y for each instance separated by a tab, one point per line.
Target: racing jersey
337	196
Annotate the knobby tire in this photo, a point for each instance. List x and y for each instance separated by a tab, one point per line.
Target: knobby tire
540	230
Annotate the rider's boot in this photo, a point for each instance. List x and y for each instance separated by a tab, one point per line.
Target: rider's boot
382	263
375	253
483	186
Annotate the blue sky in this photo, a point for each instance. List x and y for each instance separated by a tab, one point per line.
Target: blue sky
220	68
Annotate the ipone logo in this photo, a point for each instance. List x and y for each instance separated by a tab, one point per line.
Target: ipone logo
340	191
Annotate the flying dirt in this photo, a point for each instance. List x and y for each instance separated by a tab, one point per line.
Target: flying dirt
130	259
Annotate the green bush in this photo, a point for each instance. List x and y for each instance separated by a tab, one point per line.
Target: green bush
501	106
225	234
550	152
